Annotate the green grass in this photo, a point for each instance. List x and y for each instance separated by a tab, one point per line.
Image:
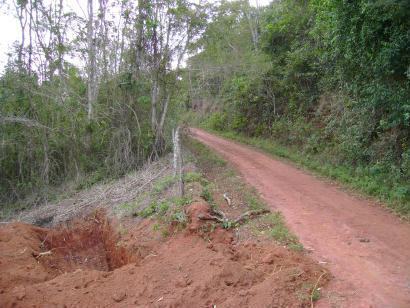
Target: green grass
163	183
253	201
148	211
280	232
360	179
205	157
206	194
190	177
272	225
167	211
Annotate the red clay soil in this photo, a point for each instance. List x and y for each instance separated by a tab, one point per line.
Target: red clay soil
366	248
88	267
30	255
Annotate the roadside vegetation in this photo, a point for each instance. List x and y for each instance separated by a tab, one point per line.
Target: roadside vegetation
220	180
325	84
361	179
87	93
137	231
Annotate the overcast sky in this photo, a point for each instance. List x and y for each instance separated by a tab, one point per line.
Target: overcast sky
9	27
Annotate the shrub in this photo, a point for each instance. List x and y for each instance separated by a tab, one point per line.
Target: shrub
217	121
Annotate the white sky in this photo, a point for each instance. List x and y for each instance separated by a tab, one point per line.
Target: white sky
9	32
9	27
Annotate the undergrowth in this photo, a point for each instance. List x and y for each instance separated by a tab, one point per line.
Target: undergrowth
171	209
272	225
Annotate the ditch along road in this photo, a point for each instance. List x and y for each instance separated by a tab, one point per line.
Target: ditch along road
365	248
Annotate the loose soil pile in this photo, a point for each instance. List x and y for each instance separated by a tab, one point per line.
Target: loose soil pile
87	264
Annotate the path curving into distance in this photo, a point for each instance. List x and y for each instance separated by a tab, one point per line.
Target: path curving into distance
365	247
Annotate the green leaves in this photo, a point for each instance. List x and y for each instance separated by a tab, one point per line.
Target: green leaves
332	79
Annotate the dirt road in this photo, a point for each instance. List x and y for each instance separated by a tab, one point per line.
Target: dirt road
366	248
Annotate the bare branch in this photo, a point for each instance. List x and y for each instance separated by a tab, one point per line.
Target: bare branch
24	121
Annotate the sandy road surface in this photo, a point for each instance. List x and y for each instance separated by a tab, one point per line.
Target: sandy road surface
366	248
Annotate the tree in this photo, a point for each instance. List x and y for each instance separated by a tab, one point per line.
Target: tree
91	63
164	31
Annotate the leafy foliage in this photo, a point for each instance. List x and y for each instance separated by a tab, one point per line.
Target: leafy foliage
104	115
331	79
59	143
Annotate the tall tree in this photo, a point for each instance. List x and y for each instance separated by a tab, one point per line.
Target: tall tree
91	61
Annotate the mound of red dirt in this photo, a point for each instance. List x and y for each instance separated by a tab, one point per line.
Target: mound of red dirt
31	254
194	211
85	265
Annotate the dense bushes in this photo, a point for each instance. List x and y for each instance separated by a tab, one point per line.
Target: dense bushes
336	85
46	142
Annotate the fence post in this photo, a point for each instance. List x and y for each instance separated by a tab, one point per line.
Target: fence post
178	163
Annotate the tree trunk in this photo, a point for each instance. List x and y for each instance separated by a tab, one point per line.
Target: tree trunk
253	22
91	86
154	101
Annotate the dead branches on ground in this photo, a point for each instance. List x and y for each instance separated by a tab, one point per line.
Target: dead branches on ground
249	215
220	217
38	255
227	199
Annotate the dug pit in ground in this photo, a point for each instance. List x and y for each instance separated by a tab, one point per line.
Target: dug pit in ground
32	255
200	266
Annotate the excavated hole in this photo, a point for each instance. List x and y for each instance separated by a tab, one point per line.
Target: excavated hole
90	243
